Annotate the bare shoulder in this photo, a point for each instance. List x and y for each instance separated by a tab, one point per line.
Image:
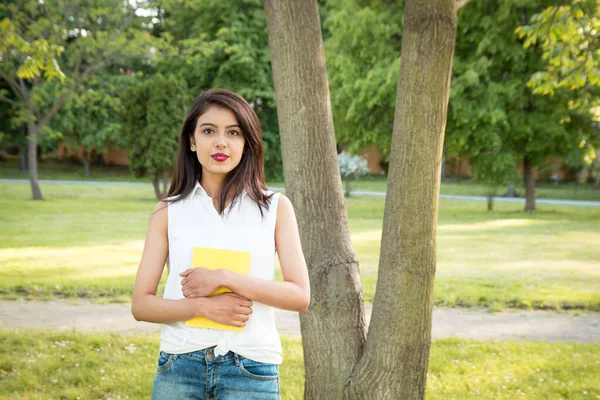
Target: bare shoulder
284	205
285	212
160	214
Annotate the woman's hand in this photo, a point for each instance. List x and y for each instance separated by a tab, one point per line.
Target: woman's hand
200	282
228	309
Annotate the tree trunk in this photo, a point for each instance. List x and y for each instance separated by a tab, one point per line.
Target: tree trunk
23	150
395	360
529	184
32	161
85	156
490	202
166	181
511	192
22	158
333	329
156	185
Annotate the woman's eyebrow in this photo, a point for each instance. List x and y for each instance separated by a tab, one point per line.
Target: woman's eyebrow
211	124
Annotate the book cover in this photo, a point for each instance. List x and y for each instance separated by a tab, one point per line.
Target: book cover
236	261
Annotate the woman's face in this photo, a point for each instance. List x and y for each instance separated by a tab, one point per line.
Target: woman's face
218	141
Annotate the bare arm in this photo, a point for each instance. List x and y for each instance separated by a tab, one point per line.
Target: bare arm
292	294
147	306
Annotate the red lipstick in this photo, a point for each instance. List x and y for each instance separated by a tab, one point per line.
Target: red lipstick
220	157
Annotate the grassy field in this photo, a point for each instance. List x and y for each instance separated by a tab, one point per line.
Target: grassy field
50	169
71	365
85	241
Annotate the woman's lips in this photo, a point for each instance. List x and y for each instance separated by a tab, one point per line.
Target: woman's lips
220	157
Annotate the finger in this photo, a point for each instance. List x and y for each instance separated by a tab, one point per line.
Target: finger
239	324
186	272
241	317
244	310
184	281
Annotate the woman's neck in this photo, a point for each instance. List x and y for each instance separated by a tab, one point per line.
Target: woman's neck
212	185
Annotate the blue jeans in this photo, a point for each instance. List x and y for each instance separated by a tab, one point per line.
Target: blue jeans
202	375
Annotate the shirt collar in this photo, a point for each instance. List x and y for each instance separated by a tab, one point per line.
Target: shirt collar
199	190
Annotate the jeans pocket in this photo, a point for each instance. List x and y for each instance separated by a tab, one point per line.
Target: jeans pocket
165	360
257	370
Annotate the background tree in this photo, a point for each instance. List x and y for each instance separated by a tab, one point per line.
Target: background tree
153	112
392	363
491	106
90	122
223	43
363	58
67	40
569	35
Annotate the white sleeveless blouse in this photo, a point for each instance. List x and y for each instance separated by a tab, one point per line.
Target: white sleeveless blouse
194	221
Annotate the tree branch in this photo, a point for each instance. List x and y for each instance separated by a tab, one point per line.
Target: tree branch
57	106
9	101
13	84
23	87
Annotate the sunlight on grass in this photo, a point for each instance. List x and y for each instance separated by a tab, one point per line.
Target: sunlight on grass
87	240
505	223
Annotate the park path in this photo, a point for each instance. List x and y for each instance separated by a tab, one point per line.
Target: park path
447	322
581	203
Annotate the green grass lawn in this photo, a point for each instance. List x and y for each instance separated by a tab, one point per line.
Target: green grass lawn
51	169
86	241
72	365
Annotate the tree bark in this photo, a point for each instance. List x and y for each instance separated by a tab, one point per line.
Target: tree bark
166	181
490	201
395	360
32	161
333	329
529	184
23	150
85	157
511	192
22	158
156	185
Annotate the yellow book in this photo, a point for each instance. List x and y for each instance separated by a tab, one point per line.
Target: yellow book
236	261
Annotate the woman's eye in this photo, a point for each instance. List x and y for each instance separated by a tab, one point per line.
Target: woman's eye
234	133
208	131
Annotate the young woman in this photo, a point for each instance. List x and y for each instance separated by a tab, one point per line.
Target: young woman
218	199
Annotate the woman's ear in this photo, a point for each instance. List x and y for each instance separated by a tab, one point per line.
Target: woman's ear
192	144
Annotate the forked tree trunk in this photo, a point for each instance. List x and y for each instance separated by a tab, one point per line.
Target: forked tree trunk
333	329
32	161
395	361
395	358
529	184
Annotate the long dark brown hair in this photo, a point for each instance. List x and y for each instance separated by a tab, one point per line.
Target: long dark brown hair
249	174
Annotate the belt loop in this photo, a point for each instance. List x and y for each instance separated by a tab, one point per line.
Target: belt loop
237	359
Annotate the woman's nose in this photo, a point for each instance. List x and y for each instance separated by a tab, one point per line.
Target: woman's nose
220	141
